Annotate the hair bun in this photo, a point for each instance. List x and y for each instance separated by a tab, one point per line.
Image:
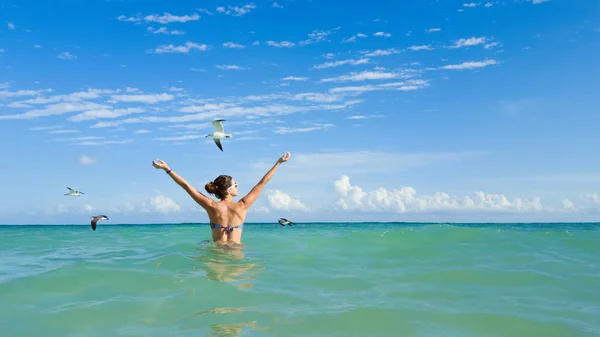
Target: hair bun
210	187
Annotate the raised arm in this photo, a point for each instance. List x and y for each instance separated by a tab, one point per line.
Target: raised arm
200	198
251	197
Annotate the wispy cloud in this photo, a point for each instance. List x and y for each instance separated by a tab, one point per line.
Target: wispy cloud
366	75
354	37
186	48
382	34
295	78
332	64
66	56
104	113
165	18
141	98
236	10
276	5
57	109
282	44
233	45
473	41
164	30
433	30
381	52
314	127
229	67
417	48
469	65
408	85
11	26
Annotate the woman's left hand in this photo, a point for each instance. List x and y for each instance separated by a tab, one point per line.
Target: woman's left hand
160	165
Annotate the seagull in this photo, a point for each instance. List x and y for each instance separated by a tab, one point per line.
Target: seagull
73	192
95	219
218	133
284	221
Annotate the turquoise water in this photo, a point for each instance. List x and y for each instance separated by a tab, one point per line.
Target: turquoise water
306	280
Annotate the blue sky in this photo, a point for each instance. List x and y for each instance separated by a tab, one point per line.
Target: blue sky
393	111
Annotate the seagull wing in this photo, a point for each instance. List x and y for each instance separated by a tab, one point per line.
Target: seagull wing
94	221
218	142
218	125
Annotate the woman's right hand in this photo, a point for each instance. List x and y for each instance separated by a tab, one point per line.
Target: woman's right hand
160	165
284	158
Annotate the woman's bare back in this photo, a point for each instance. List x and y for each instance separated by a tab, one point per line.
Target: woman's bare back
226	221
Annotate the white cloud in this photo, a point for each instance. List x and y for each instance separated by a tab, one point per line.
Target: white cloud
433	30
169	18
104	113
354	37
317	36
56	109
163	204
11	26
147	99
382	34
535	2
341	63
471	5
66	56
282	44
408	85
179	138
294	78
186	48
85	160
472	41
141	131
417	48
229	67
489	4
233	45
284	130
276	5
381	52
365	76
281	201
469	65
406	199
164	30
236	10
105	142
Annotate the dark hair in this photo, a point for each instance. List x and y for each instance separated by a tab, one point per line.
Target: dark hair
219	186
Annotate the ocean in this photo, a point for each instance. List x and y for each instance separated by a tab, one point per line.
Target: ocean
317	279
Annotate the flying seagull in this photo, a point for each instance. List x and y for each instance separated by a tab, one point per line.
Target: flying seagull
95	219
73	192
218	133
284	221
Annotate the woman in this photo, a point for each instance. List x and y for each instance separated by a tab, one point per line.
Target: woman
226	216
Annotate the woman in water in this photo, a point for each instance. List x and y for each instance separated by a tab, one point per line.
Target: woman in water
226	216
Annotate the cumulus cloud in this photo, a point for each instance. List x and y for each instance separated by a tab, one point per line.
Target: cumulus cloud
281	201
163	204
406	199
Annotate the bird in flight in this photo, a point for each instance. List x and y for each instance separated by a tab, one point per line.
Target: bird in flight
284	221
95	219
219	133
73	192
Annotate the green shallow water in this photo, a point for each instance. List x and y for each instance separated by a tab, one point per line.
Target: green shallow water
306	280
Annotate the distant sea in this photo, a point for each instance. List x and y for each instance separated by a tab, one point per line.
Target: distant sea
330	279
